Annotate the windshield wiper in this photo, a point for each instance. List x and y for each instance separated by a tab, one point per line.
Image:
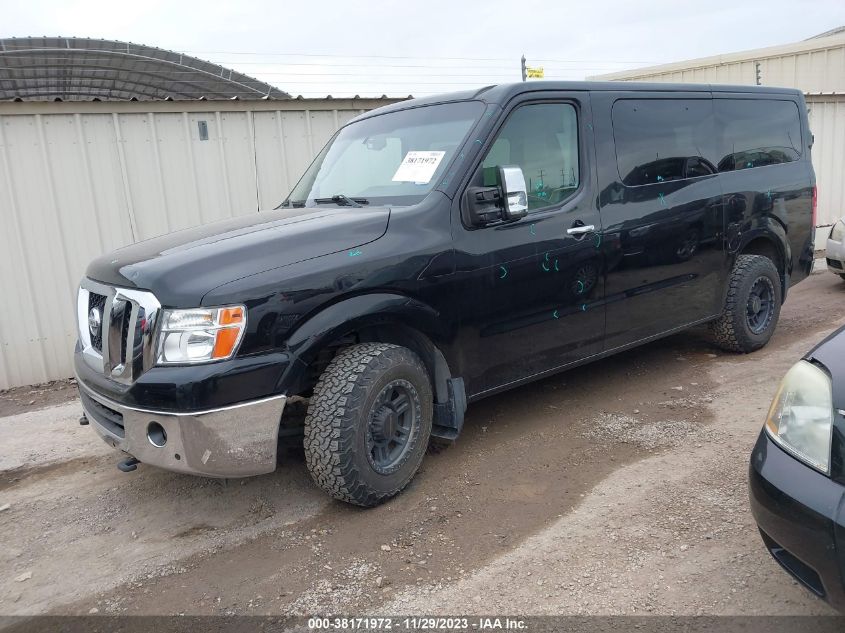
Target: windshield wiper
342	200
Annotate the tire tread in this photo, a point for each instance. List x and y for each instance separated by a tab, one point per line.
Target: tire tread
335	410
728	331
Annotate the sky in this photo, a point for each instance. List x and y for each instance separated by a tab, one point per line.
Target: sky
374	47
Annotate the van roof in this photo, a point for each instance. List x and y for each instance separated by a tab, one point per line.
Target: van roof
502	93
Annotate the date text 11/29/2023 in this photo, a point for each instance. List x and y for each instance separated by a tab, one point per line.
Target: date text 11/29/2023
417	623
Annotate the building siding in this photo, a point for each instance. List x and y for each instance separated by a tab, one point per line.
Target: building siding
80	179
827	123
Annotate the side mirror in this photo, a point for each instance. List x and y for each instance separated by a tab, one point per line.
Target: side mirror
503	198
514	193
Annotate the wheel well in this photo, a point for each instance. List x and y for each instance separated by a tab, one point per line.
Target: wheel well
395	333
767	248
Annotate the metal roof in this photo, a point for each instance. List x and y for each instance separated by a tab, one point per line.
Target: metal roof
836	31
77	69
830	40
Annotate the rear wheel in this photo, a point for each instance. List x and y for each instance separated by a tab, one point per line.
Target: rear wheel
752	305
368	423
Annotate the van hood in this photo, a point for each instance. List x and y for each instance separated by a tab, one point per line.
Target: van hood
181	267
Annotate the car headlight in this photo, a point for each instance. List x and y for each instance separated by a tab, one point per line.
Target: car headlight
801	416
200	335
837	233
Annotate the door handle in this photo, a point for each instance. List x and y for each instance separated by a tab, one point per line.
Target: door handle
580	230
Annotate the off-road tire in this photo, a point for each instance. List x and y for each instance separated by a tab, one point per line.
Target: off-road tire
338	419
843	276
731	331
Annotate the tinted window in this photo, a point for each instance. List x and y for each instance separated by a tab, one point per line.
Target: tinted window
659	140
755	133
699	167
543	140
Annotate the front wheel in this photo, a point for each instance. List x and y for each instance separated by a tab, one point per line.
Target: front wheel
368	423
752	305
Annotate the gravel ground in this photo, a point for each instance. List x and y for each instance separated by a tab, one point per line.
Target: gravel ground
668	535
616	488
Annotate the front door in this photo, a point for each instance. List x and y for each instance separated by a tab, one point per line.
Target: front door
533	288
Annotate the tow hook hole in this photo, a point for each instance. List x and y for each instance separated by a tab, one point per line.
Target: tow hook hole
156	434
178	456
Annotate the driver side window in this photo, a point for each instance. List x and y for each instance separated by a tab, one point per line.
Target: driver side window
542	139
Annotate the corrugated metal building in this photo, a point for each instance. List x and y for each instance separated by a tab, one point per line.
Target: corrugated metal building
81	69
816	66
81	178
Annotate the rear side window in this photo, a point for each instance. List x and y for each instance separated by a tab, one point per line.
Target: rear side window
660	140
755	133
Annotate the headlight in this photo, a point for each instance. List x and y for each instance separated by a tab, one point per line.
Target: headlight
801	416
837	233
200	335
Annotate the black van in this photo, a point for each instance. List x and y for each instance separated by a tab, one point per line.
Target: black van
444	249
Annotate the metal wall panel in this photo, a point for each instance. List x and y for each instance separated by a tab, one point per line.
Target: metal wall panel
822	71
81	179
290	142
816	65
827	123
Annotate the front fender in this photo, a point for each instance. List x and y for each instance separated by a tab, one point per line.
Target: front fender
351	314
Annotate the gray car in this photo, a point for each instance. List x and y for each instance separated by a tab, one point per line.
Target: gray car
835	249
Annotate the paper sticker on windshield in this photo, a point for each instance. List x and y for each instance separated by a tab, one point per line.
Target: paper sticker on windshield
418	167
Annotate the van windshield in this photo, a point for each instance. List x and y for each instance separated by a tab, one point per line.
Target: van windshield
390	159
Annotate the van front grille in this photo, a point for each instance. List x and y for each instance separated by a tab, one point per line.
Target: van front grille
123	346
126	341
99	302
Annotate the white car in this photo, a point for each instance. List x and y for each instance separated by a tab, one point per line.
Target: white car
835	250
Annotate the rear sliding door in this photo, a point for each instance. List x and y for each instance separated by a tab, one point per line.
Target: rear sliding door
661	206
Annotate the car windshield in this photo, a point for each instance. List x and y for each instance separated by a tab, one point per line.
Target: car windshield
394	158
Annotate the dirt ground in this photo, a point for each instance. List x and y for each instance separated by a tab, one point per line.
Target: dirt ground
616	488
23	399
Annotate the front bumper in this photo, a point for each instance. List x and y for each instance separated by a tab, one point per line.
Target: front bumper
835	254
235	441
801	518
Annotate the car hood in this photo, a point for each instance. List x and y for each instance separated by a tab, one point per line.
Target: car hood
181	267
831	353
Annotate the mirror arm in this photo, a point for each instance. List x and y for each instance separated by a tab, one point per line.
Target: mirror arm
484	205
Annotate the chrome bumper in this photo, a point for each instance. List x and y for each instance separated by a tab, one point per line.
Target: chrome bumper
236	441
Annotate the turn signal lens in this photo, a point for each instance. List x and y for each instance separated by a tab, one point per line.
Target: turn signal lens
200	335
231	315
226	340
